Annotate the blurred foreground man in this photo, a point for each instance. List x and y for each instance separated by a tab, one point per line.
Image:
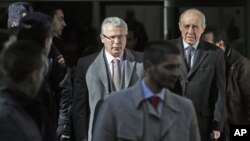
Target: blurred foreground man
20	113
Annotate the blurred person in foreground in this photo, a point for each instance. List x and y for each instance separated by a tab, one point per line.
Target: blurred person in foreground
20	113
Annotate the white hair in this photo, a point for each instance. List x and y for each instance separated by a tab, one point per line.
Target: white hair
114	21
194	10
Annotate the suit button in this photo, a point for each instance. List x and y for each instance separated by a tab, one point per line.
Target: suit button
187	81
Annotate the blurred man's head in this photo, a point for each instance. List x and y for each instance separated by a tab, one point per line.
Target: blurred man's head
161	64
23	64
37	27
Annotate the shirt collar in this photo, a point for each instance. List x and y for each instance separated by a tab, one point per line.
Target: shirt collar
148	93
187	45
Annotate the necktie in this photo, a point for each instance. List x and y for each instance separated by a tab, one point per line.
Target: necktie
189	56
154	100
116	74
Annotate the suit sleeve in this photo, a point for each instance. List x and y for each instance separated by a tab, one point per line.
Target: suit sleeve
80	104
65	100
220	105
105	123
61	85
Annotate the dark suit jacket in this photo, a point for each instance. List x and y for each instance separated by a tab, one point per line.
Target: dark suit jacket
204	84
92	84
122	117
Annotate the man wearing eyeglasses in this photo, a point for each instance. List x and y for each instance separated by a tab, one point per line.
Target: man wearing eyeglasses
112	69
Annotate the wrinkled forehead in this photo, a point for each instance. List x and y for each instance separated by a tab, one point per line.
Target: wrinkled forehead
191	18
194	18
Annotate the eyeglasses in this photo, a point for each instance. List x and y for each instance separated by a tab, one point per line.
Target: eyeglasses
112	38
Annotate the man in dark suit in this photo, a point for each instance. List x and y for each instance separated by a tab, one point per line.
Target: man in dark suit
238	83
149	111
202	74
97	75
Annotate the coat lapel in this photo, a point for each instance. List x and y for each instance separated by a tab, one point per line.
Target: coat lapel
170	111
199	58
152	111
129	64
101	71
137	98
183	67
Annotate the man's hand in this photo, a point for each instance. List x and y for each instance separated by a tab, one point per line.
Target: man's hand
63	132
61	60
215	135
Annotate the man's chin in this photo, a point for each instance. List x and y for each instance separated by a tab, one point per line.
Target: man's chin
169	86
191	42
116	53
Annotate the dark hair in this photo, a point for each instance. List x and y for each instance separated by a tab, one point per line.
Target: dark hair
219	34
156	51
20	59
52	8
36	27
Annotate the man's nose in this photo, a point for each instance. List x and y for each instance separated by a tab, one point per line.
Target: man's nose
176	71
190	29
64	24
117	39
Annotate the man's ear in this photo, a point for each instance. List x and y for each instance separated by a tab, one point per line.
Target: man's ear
179	26
33	77
102	38
47	46
203	28
221	45
147	65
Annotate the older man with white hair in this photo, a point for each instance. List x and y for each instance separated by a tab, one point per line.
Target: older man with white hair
112	69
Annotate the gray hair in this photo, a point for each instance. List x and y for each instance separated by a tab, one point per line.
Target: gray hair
114	21
196	11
